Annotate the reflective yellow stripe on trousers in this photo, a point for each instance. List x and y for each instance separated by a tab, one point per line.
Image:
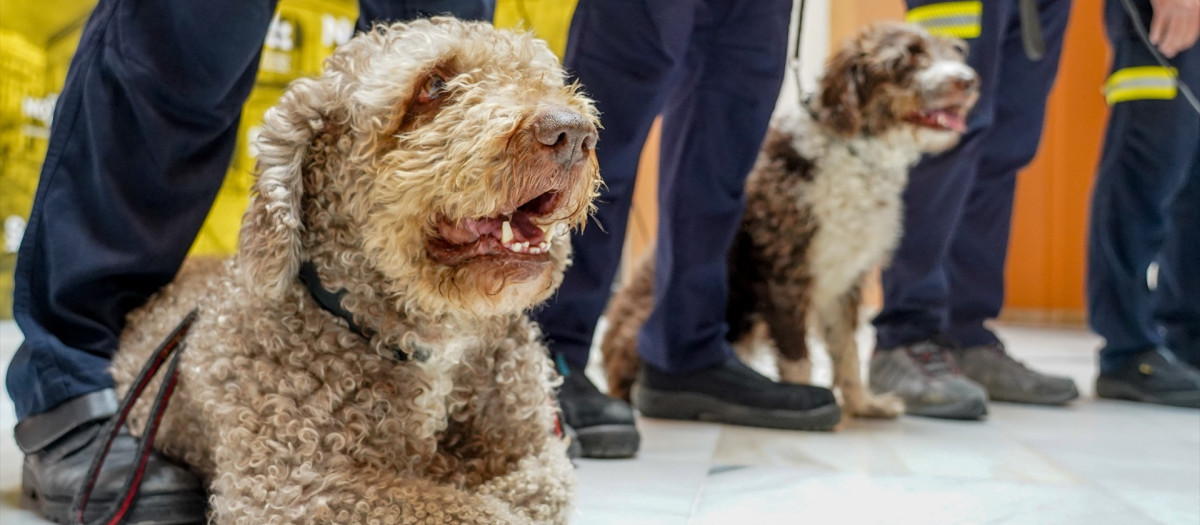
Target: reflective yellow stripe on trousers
957	19
1140	83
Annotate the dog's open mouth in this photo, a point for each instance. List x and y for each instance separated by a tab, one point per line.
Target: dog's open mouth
525	233
946	118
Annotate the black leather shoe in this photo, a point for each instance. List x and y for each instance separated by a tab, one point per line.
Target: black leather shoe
1153	376
1184	343
732	393
59	447
604	425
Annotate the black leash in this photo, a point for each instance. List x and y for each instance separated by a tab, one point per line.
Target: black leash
173	344
795	59
1139	27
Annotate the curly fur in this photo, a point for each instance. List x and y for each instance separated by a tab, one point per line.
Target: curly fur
292	417
823	210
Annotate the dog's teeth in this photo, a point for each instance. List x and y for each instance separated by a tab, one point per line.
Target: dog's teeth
535	250
941	120
545	229
506	235
545	245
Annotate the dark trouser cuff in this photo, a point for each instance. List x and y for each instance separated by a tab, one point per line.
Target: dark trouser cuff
35	433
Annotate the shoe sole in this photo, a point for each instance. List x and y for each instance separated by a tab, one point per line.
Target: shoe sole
149	509
1120	390
609	441
690	406
1061	399
967	409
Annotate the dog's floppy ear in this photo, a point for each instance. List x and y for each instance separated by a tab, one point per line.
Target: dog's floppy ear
269	251
840	101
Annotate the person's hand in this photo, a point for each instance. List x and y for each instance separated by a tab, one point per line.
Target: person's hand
1175	26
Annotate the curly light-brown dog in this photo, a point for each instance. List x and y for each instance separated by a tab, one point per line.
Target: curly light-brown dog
426	181
823	208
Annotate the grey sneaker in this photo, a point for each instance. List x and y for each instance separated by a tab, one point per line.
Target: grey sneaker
1007	379
924	375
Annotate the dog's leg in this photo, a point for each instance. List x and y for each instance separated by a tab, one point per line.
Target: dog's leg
506	432
839	321
540	487
788	325
794	371
298	495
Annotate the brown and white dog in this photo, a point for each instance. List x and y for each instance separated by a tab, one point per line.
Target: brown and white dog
425	179
824	207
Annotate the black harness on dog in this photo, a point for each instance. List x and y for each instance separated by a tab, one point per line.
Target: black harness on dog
332	303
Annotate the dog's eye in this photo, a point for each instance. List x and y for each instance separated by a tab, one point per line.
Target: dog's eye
434	88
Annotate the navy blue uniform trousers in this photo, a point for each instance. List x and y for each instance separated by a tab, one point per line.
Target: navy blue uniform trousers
142	137
1146	208
947	275
713	69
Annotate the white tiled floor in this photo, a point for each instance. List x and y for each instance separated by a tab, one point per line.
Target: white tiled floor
1094	462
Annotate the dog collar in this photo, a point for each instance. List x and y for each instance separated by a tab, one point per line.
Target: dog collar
332	303
806	103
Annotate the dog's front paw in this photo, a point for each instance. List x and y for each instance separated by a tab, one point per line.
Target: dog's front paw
885	406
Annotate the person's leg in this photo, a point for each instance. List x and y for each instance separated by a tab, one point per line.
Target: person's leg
975	266
979	247
1149	145
915	285
383	11
623	52
1148	150
713	127
1177	297
912	356
141	141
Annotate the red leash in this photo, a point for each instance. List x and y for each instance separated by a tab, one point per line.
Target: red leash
172	344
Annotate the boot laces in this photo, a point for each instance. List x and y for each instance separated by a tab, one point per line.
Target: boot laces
933	357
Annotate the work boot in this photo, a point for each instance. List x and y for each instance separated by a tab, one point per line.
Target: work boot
604	426
1153	376
730	392
59	448
1007	379
925	376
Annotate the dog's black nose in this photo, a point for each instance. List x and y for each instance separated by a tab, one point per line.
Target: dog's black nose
567	133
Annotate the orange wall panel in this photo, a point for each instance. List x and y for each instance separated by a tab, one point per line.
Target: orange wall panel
1046	265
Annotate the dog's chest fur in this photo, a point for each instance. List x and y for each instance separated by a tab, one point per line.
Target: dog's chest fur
838	199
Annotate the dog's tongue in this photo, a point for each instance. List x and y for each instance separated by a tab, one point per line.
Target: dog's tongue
524	230
944	119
